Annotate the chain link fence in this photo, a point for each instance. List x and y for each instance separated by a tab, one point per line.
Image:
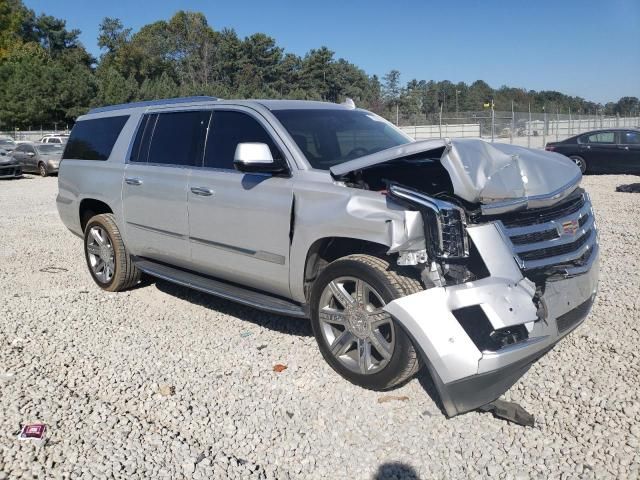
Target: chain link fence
30	135
532	130
526	129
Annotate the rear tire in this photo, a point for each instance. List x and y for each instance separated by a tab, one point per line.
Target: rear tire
580	162
42	169
360	341
109	262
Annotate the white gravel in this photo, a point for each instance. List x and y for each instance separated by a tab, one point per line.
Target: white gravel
98	370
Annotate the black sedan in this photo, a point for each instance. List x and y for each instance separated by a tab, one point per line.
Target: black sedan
613	150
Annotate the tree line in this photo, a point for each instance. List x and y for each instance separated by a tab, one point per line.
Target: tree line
48	78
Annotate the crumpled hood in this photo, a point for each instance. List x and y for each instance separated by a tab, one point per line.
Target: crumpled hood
500	176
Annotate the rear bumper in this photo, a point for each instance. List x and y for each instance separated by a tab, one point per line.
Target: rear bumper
466	375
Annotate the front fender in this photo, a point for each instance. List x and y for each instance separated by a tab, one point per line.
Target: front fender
342	212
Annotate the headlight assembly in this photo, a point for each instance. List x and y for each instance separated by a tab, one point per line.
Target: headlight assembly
444	223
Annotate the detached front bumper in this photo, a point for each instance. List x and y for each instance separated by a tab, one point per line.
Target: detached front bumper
466	374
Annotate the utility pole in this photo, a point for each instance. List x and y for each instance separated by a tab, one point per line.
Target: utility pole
513	123
493	120
457	92
529	128
544	127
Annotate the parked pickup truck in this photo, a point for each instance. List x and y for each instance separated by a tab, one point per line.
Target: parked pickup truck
467	258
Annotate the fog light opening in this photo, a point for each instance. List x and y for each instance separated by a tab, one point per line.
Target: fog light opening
479	329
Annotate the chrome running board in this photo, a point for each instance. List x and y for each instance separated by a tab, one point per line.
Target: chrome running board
219	288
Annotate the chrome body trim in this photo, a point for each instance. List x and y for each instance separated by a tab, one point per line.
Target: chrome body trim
257	254
157	230
577	228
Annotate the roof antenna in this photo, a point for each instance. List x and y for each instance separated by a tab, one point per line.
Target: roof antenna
349	103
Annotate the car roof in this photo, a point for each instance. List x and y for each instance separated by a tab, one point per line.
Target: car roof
300	104
612	129
208	101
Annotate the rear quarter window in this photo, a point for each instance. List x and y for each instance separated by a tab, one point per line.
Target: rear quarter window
94	139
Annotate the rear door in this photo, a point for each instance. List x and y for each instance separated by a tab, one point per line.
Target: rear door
154	191
239	223
600	151
629	146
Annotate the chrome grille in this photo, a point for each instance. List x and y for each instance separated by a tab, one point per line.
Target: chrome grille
561	238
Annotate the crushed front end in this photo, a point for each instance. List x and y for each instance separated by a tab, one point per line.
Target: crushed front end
504	285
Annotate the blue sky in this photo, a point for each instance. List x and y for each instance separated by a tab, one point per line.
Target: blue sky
579	47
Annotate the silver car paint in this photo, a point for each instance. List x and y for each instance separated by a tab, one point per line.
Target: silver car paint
501	176
322	208
505	297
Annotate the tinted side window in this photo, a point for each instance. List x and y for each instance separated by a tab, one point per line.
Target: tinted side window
140	148
632	138
94	139
178	138
228	129
602	137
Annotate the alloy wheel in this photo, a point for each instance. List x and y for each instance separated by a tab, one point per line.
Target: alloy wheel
101	254
358	332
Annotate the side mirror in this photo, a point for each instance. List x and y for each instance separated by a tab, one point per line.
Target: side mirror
31	154
255	158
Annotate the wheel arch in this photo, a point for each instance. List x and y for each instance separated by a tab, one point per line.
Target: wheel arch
327	249
90	207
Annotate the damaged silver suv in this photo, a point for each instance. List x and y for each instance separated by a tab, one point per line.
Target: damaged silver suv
467	258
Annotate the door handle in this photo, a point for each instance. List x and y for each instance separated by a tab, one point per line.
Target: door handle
202	191
623	148
133	181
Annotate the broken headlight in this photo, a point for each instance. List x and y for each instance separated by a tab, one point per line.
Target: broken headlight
444	223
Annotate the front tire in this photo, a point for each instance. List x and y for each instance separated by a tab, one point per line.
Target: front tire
42	169
359	340
580	162
109	263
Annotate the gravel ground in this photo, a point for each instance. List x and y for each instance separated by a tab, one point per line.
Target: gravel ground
163	382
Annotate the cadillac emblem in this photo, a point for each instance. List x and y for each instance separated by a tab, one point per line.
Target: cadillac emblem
570	227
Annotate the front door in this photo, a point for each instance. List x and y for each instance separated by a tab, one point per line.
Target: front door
600	151
155	185
19	154
239	223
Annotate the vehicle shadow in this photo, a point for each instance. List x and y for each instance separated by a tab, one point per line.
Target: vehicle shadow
279	323
396	471
291	326
426	382
629	188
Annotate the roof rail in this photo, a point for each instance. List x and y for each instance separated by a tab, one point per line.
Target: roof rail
151	103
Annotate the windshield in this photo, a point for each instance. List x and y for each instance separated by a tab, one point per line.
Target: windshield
329	137
49	148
